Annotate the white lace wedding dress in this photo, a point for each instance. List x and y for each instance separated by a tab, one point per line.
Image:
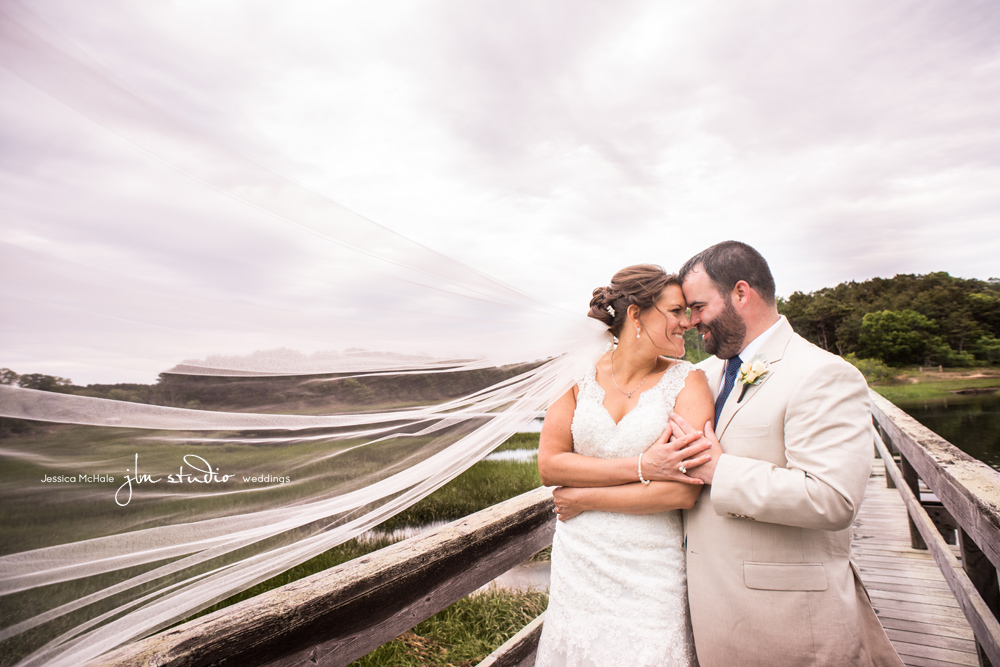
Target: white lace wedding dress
618	592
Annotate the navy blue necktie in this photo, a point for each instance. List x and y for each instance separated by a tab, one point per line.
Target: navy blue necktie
732	368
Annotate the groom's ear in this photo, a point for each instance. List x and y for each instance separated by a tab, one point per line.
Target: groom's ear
741	294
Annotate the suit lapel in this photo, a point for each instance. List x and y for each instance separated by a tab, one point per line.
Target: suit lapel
772	350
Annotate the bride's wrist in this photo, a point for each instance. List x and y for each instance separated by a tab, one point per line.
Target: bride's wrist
644	478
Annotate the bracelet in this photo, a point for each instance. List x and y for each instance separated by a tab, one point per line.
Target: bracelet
641	479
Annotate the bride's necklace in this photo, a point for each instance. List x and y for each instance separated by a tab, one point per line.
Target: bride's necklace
627	393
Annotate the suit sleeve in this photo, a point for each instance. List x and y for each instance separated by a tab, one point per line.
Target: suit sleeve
828	449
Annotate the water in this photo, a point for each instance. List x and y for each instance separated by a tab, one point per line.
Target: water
534	426
401	533
971	423
518	455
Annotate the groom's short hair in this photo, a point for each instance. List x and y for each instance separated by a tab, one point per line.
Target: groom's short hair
729	262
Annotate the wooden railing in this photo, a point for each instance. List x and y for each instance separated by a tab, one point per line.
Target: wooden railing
964	497
334	617
337	616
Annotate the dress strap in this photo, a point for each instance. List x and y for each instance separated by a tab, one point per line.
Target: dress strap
589	376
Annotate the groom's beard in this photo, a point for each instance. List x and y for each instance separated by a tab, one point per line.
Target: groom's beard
727	332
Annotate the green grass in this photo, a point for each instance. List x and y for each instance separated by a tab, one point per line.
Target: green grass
921	388
519	441
461	635
484	484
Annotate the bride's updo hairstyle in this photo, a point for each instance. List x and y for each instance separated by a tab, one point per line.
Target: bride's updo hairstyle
640	285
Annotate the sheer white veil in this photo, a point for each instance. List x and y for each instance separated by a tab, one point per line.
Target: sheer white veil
90	565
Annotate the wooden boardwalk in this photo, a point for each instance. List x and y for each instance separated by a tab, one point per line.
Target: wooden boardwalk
911	598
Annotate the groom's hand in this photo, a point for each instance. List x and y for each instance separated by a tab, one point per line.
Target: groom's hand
568	502
673	452
683	430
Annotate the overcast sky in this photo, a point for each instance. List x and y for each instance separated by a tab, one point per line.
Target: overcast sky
546	144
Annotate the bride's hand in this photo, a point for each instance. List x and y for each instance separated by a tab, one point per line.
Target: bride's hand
673	452
705	472
568	502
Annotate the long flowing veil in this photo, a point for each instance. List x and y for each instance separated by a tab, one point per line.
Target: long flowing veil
289	417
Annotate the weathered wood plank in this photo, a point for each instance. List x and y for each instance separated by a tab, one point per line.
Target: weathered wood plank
917	661
927	629
920	606
902	553
938	641
932	588
913	597
940	655
920	661
954	620
911	480
339	615
899	587
901	568
901	573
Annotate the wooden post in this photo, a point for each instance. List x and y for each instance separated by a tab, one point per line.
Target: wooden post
889	483
912	481
983	575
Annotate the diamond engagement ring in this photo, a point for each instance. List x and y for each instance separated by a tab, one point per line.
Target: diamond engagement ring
682	468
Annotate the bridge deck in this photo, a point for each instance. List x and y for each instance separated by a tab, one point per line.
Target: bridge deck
911	597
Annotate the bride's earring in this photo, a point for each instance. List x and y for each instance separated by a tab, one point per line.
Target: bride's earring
637	330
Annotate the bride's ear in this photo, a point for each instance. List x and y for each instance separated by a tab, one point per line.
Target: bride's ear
633	315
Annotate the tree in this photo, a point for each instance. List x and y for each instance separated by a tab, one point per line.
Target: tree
816	316
895	336
8	376
963	310
985	308
939	352
46	383
987	348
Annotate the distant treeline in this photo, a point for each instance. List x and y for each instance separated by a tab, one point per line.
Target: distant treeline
908	319
306	394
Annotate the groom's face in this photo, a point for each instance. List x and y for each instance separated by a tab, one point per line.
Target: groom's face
713	314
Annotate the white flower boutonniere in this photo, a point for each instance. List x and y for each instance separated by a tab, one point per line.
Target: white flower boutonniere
751	373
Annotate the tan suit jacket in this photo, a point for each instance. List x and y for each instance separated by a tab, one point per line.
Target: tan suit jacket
770	580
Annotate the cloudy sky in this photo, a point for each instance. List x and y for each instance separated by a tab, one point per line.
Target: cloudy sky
545	144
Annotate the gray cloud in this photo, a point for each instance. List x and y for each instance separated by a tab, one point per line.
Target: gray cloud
545	144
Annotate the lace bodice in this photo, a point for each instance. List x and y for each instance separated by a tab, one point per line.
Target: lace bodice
595	433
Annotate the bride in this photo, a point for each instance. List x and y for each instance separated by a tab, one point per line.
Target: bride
618	591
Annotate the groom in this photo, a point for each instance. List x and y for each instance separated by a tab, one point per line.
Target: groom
770	581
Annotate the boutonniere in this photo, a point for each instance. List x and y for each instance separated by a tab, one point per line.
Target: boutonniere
752	373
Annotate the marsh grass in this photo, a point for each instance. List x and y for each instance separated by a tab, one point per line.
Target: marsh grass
461	635
519	441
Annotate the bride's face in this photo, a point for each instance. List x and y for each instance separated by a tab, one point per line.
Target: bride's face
666	322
